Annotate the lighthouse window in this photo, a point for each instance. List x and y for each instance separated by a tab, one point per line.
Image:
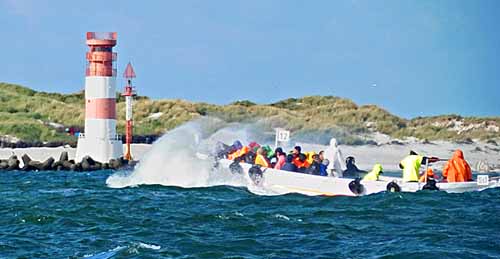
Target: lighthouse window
103	49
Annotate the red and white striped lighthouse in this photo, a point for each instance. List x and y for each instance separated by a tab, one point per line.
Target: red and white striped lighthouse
100	140
129	94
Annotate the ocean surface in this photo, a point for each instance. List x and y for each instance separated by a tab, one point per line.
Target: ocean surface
176	205
77	215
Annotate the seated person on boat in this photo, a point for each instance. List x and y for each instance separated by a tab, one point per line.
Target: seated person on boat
289	165
374	174
264	156
352	170
280	158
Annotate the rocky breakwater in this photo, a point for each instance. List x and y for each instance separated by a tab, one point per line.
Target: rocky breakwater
63	164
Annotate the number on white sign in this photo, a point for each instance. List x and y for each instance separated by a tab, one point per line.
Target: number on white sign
283	135
483	180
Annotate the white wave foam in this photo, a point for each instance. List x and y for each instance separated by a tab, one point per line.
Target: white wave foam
172	161
280	216
148	246
105	255
177	159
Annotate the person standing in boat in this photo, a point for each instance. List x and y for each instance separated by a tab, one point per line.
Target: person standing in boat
334	155
457	169
411	166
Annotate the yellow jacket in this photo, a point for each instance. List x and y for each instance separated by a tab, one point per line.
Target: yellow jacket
411	165
309	156
374	173
261	160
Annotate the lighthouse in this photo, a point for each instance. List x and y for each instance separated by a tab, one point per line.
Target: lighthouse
129	94
100	140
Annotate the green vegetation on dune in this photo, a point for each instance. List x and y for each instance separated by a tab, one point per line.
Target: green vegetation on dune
26	114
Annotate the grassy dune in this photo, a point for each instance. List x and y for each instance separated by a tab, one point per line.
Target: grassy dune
25	114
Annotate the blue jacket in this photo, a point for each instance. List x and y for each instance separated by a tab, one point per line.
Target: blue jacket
314	169
289	167
322	170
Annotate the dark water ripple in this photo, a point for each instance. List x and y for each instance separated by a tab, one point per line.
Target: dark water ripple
66	215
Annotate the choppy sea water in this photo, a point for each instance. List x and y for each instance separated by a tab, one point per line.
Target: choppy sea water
76	215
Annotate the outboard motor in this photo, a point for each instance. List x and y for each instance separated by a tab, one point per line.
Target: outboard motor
356	187
393	187
235	167
430	185
256	175
250	158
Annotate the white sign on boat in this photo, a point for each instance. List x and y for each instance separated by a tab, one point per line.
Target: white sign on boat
483	180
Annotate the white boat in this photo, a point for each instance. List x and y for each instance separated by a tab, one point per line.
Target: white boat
281	182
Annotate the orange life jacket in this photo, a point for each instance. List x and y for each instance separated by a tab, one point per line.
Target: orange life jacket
241	152
430	174
300	164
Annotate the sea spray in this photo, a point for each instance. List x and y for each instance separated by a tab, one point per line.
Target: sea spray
173	159
183	157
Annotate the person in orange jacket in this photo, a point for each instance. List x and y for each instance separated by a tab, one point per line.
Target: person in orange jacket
430	175
301	163
240	154
457	169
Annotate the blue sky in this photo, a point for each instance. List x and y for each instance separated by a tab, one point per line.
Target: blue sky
413	58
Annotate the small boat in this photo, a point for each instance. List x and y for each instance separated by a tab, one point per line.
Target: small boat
281	182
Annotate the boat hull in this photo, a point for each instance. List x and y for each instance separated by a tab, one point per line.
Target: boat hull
281	182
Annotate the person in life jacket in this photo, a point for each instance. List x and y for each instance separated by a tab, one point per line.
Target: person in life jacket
289	165
234	148
296	151
374	174
334	155
240	154
301	163
457	169
310	157
411	166
280	157
315	166
429	175
260	158
430	182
